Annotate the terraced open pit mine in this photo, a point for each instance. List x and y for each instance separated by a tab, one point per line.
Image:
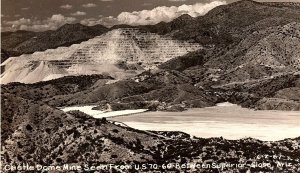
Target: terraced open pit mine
119	53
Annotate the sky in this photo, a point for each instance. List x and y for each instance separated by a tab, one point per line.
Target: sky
42	15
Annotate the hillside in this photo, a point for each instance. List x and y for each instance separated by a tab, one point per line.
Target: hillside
77	139
245	53
61	86
20	42
164	90
227	24
263	45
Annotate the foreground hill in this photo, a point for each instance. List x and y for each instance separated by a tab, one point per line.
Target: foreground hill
61	86
77	139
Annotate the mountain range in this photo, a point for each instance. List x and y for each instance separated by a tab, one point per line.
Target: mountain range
218	52
20	42
246	53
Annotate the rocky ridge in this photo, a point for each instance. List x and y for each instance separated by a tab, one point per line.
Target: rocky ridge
20	42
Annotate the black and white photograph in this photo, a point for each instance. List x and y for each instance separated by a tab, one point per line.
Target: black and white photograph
150	86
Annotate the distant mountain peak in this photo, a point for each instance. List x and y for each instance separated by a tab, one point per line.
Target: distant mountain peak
246	2
71	26
99	26
185	17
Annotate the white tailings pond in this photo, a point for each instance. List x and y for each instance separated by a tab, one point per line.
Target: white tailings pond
226	120
100	114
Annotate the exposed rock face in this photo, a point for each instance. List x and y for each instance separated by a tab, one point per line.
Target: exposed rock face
120	53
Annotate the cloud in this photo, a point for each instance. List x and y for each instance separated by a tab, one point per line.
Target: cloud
51	23
61	18
165	14
154	16
67	6
78	13
25	8
89	5
21	21
144	17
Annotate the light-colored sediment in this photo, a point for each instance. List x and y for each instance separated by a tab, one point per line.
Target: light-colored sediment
230	122
101	114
